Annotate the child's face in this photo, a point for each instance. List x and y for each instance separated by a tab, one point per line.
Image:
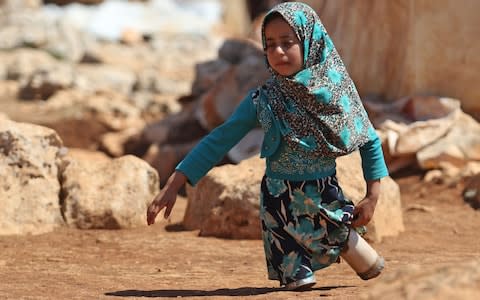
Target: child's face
283	49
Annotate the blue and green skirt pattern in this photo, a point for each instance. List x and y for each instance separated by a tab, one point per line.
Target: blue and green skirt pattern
304	225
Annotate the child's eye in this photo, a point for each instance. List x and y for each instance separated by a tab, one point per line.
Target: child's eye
270	46
287	44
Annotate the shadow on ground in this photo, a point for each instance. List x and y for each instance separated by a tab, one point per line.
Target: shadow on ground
239	292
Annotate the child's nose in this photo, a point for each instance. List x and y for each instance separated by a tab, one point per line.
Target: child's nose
279	50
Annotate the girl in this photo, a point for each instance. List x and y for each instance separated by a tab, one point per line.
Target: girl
311	113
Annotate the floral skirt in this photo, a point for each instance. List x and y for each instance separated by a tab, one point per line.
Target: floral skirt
304	225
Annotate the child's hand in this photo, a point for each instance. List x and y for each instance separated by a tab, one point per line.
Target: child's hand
166	198
363	212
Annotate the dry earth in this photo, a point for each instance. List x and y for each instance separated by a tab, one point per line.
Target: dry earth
162	261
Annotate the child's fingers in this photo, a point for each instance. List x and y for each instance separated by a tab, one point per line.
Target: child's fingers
168	209
358	219
153	211
355	213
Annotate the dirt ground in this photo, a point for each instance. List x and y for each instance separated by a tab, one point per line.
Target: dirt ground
162	261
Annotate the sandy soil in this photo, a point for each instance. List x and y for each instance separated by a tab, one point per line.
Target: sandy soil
162	261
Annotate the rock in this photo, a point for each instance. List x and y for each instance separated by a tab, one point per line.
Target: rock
471	169
235	51
440	282
66	42
43	83
113	142
225	203
387	220
154	106
429	132
131	37
81	118
36	29
247	71
8	102
151	80
105	78
179	128
420	208
433	176
30	163
20	4
411	130
79	154
107	194
22	63
134	59
460	145
207	73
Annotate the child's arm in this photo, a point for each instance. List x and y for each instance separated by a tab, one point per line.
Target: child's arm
212	148
374	168
206	154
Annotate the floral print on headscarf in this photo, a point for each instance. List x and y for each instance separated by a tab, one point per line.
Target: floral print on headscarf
318	109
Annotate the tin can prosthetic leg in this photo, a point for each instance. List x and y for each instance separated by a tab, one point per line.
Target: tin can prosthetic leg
362	257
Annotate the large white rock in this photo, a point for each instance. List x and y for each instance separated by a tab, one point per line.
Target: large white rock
225	203
451	281
79	117
107	194
30	158
387	219
460	145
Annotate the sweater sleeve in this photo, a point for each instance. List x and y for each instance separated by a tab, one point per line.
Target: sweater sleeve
213	147
373	162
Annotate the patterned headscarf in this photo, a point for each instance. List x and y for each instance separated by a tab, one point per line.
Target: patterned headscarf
319	110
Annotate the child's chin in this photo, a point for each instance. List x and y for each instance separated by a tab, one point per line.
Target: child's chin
289	74
285	74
